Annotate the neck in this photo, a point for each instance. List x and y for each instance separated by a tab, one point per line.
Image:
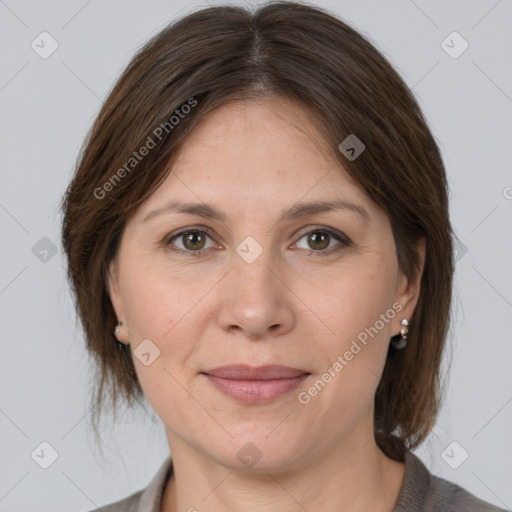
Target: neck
354	477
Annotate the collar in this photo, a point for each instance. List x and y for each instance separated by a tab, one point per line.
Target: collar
416	484
151	498
411	498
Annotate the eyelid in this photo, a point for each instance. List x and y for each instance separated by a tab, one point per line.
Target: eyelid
174	234
327	229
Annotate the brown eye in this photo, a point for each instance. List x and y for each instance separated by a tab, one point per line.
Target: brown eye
319	240
193	240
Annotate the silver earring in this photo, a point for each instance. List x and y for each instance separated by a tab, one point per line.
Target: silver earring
117	329
400	340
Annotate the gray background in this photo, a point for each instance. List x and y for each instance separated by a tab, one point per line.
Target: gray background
47	106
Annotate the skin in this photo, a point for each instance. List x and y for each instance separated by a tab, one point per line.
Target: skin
253	160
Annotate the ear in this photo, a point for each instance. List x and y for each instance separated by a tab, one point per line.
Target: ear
408	291
115	297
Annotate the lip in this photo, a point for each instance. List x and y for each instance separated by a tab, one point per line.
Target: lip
255	385
247	372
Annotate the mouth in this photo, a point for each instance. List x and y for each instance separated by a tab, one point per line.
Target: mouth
255	385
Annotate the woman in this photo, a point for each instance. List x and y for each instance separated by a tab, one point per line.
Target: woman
260	218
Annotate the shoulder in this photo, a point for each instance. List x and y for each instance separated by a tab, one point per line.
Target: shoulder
145	500
128	504
447	496
423	491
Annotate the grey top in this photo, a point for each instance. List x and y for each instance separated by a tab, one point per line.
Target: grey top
421	492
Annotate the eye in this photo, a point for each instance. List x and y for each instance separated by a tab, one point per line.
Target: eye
193	241
319	241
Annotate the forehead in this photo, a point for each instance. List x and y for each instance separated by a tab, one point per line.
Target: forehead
270	131
260	152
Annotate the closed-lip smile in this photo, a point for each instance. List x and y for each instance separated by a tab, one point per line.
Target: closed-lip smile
255	384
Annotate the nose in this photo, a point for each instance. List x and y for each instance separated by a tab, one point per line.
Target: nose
256	299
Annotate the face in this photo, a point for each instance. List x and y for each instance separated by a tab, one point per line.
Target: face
265	282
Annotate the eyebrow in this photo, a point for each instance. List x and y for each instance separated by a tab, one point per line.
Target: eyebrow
295	212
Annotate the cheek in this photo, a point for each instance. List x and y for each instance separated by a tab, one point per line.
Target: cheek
157	309
164	309
149	308
351	302
156	298
357	313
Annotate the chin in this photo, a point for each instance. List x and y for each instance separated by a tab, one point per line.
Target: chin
259	451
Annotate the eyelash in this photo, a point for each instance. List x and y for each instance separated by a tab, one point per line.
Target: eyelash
345	241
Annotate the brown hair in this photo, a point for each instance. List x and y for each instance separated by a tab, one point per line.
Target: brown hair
298	51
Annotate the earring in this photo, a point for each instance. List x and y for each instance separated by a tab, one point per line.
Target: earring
400	340
117	329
